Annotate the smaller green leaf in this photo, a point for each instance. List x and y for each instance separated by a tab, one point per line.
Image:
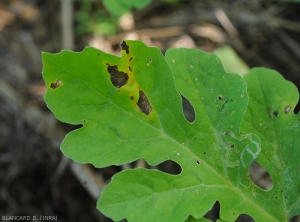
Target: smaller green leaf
270	115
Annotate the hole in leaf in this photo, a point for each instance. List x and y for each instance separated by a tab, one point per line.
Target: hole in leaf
214	213
170	167
125	47
287	109
143	103
117	78
56	84
295	218
245	218
260	176
188	110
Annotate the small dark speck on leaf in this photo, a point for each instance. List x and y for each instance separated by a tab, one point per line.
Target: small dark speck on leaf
55	84
232	146
275	113
130	59
131	97
130	69
84	120
150	60
220	97
143	103
287	109
117	78
125	47
98	54
198	162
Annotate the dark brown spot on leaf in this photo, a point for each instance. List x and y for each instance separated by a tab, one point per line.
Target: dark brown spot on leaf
130	59
130	69
232	146
117	78
56	84
131	97
275	113
125	47
143	103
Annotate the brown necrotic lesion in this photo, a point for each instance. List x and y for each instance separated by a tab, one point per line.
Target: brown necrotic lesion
143	103
117	78
56	84
125	47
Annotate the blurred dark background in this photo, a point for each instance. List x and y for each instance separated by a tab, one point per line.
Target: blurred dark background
35	178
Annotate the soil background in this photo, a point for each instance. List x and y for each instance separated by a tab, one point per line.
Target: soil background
35	178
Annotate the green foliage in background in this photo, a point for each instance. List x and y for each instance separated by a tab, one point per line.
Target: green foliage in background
120	7
96	21
91	17
130	108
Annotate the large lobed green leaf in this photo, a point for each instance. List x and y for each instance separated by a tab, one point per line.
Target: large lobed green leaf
130	108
